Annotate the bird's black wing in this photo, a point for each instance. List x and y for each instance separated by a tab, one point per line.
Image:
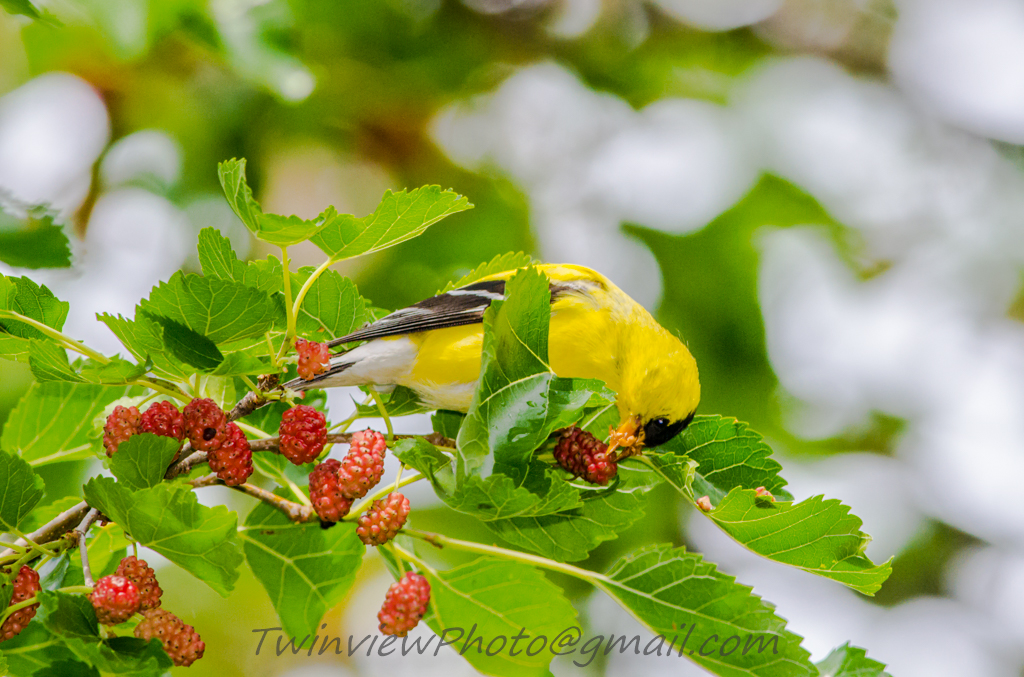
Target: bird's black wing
465	305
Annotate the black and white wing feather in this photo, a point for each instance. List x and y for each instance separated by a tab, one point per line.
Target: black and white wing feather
465	305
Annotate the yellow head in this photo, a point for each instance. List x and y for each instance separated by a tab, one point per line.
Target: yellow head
660	389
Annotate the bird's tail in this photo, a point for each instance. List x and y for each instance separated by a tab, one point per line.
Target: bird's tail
327	379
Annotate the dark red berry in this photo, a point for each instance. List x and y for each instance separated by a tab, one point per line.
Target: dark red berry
205	424
303	434
325	493
585	456
314	358
164	419
138	572
122	423
383	520
363	465
404	605
233	460
115	599
180	640
26	585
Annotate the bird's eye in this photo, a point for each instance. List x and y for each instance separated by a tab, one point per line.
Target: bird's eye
658	431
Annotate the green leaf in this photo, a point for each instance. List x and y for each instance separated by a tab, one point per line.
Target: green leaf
169	519
21	296
40	243
399	217
34	648
498	264
401	401
678	595
221	310
189	346
72	618
53	421
332	307
49	362
142	460
431	462
20	490
570	536
219	260
447	423
67	669
305	568
490	597
726	461
816	535
519	401
143	338
850	661
728	455
21	7
272	228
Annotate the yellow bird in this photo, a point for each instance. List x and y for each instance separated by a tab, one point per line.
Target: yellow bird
596	331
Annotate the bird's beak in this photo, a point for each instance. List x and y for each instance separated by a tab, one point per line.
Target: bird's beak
628	439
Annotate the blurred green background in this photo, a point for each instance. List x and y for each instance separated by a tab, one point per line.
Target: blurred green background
821	201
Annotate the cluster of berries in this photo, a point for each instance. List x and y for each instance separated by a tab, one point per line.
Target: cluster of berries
133	589
585	456
201	421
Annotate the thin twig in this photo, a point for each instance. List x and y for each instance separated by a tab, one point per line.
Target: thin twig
186	464
53	529
296	512
83	530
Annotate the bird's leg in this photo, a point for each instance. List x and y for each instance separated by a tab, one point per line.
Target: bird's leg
628	437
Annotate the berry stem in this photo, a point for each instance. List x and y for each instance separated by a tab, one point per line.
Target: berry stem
404	554
252	430
42	550
162	387
442	541
54	528
359	509
288	307
67	341
383	413
307	285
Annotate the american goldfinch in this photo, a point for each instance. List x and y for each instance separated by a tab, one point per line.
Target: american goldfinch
434	348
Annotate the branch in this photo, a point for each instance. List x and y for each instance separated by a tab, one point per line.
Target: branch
55	528
296	512
82	530
186	464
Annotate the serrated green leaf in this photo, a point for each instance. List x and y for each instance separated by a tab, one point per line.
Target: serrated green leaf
519	401
69	615
850	661
49	362
221	310
304	568
143	338
570	536
142	460
53	421
423	456
20	296
20	490
497	597
724	460
169	519
399	217
816	535
219	260
189	346
37	244
332	307
728	455
677	594
272	228
34	648
499	264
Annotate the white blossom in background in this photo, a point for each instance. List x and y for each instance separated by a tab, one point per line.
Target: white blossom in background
963	60
147	154
719	15
590	163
